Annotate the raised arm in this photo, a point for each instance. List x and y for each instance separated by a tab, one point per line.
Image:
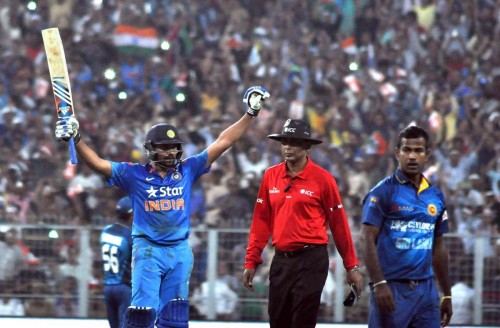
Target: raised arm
66	128
227	138
90	157
253	97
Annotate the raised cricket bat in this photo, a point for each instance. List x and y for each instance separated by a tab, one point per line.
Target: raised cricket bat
60	79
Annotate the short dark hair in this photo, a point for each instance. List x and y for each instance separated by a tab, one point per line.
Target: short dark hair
413	132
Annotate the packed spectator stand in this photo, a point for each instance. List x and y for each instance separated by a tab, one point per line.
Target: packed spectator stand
358	70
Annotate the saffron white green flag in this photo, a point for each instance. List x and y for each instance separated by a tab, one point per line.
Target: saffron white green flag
136	41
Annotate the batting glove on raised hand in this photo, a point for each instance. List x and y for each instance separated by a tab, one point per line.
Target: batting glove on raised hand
254	97
66	128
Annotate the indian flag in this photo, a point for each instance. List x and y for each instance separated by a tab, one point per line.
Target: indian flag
136	41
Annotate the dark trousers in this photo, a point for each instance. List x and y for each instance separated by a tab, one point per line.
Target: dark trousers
117	298
296	283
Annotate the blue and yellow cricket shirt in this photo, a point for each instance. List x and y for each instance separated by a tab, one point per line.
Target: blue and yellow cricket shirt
409	220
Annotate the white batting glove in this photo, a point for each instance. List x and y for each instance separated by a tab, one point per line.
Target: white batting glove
66	128
254	97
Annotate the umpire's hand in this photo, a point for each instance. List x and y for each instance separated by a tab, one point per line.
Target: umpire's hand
355	277
247	278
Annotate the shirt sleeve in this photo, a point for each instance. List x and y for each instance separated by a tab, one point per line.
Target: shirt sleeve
373	213
261	227
121	175
339	226
197	164
442	222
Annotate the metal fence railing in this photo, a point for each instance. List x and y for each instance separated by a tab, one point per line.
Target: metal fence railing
61	276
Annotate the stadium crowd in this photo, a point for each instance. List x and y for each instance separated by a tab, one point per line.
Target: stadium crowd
358	70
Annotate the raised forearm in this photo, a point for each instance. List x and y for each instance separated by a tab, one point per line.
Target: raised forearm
234	132
93	160
227	138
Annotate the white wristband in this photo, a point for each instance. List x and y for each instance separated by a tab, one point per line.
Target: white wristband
379	283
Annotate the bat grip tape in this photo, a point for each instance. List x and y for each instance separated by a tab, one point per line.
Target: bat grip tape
72	151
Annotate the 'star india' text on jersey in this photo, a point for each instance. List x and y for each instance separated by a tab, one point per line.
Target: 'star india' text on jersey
161	205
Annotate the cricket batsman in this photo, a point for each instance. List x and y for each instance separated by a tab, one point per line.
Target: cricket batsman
160	192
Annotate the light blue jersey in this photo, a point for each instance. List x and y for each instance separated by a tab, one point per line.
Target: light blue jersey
161	205
408	219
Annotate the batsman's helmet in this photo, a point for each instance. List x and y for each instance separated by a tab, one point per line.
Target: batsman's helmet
162	134
124	206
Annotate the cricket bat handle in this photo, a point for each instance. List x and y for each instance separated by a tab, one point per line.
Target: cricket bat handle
72	151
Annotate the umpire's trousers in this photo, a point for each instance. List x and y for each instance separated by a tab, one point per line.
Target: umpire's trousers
296	282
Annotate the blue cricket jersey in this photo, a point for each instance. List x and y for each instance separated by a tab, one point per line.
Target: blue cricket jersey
116	248
408	219
161	205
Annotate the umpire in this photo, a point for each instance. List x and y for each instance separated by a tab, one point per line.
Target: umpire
297	201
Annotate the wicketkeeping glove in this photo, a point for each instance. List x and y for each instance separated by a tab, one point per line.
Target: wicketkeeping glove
66	128
254	97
